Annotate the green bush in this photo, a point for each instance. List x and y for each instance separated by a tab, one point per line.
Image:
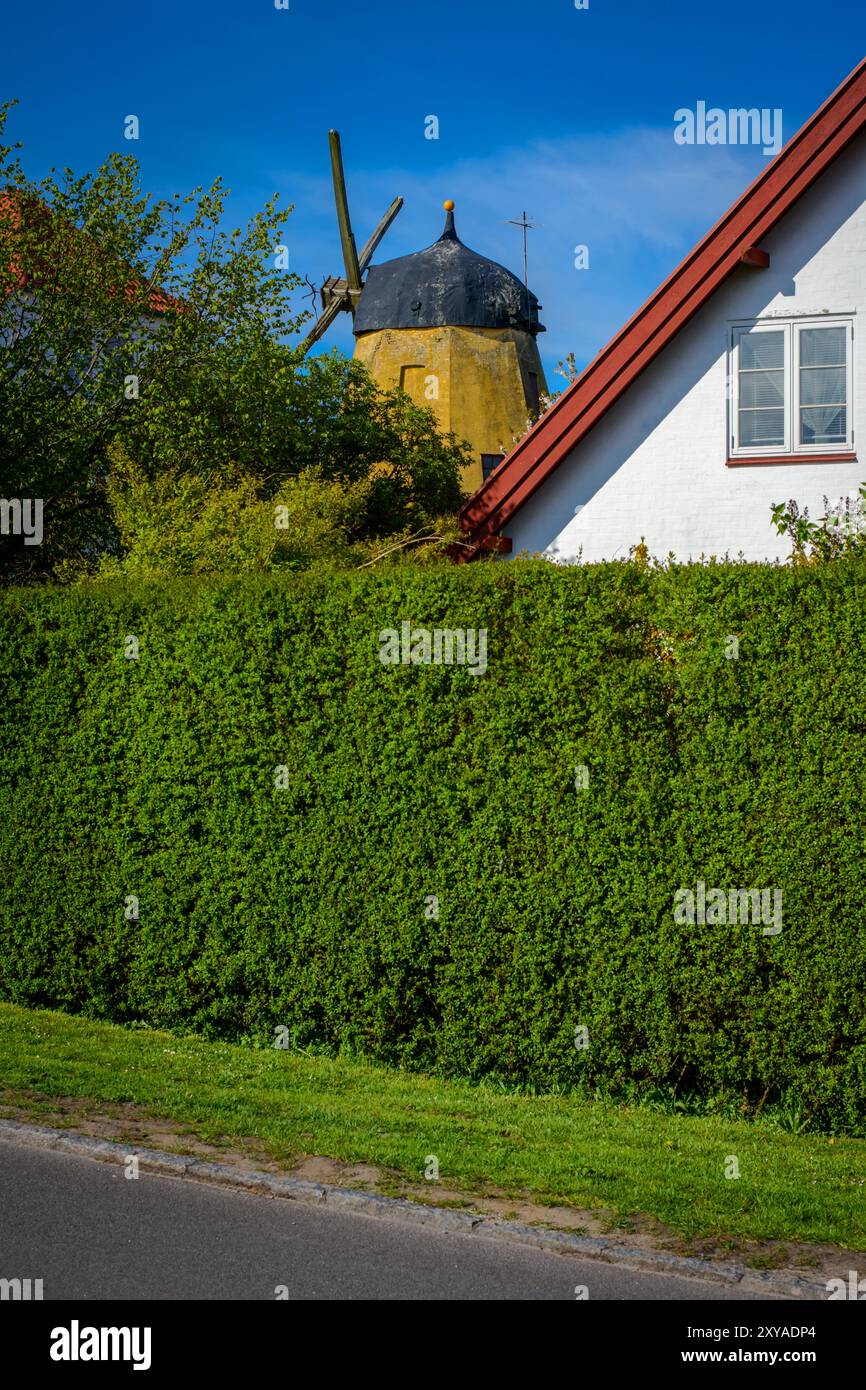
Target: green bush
307	906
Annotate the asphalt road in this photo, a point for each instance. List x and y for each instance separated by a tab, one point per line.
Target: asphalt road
89	1232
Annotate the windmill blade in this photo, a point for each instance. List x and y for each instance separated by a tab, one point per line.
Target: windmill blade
344	301
367	253
350	252
348	290
322	324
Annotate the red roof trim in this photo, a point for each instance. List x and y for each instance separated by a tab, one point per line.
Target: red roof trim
793	171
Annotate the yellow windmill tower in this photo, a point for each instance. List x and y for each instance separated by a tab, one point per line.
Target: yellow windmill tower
456	331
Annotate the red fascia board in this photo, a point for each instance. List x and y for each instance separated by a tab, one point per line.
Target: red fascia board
685	291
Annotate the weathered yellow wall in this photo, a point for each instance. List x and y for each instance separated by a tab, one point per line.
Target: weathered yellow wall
476	380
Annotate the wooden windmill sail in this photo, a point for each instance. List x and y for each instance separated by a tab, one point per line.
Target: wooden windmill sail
338	294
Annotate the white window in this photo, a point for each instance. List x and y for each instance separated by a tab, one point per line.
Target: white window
791	387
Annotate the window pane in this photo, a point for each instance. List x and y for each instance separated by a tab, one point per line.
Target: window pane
822	385
823	347
762	388
824	424
762	427
762	350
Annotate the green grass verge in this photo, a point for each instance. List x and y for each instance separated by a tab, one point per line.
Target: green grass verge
629	1161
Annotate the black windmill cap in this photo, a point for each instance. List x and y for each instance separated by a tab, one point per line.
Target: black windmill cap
445	285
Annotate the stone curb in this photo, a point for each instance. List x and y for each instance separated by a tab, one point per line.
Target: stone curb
772	1283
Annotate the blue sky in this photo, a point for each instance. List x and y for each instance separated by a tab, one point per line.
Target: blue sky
567	113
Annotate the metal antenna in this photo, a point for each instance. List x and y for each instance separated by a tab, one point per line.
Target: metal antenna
522	222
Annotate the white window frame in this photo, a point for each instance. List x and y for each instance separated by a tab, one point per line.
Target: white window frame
848	443
791	329
741	331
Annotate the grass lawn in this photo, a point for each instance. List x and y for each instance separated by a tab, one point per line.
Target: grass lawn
629	1163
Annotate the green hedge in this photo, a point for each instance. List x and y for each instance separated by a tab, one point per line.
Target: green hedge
306	907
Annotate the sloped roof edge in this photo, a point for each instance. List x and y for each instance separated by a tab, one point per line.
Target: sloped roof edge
776	189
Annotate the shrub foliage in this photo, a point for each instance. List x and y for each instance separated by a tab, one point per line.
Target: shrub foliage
309	906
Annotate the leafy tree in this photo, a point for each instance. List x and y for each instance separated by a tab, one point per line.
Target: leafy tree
107	299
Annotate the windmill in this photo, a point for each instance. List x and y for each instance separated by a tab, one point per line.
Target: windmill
338	294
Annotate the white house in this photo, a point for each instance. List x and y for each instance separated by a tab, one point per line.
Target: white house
740	383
